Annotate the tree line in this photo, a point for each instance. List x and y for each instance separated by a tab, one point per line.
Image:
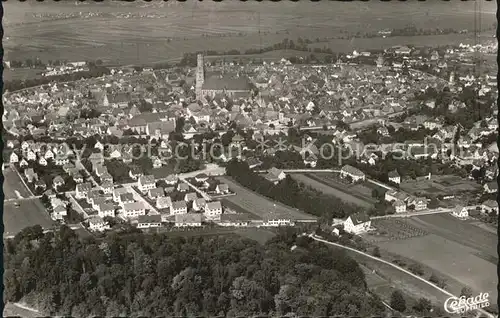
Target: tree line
133	274
291	193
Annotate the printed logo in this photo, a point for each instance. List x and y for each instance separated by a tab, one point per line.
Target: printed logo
455	305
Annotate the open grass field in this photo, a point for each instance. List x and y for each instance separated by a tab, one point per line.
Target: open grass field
259	205
257	234
30	212
139	33
459	251
13	185
357	194
440	185
448	257
404	282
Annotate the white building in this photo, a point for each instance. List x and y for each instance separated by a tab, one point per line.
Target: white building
357	223
178	207
399	206
354	173
106	209
213	209
188	220
394	177
133	209
146	183
148	221
460	212
98	224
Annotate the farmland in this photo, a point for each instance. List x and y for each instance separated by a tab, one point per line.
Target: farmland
357	194
30	212
440	185
253	203
167	30
459	251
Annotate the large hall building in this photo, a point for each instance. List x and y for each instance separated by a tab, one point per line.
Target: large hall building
212	83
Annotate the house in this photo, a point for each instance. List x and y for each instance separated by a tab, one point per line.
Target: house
357	223
96	158
191	196
156	193
118	192
491	187
106	209
199	204
399	206
97	200
59	212
171	180
42	161
163	202
77	177
40	184
201	177
135	173
489	206
106	177
148	221
419	204
14	158
82	189
146	183
275	175
188	220
394	177
58	181
182	187
30	175
133	209
126	198
213	209
100	170
275	221
31	156
23	163
354	173
61	159
460	212
98	224
234	220
178	207
107	187
222	188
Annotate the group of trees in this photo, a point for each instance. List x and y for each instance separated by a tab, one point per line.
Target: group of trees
291	193
133	274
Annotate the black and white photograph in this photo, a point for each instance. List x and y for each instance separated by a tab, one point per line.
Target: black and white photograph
250	158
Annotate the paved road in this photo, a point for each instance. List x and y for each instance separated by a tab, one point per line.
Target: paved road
314	237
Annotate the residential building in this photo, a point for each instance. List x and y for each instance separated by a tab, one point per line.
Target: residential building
460	212
146	183
188	220
491	187
222	188
148	221
133	209
354	173
213	209
199	204
178	207
82	189
106	209
394	177
163	202
191	196
156	193
98	224
418	203
357	223
59	212
275	175
489	206
399	206
234	220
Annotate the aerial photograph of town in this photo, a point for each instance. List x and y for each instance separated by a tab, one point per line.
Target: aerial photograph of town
250	159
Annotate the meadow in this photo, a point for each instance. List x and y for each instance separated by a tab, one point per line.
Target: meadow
140	33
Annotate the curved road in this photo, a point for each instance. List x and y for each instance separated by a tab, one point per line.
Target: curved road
314	237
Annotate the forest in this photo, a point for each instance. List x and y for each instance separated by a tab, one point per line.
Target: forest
133	274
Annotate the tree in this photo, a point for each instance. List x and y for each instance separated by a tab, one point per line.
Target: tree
376	252
423	305
398	301
466	291
416	269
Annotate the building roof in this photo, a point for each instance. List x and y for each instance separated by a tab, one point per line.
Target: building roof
188	218
147	179
215	205
353	171
393	174
227	82
142	219
106	207
133	206
235	217
126	197
96	220
359	218
179	205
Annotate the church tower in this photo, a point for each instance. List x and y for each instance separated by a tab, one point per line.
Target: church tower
200	76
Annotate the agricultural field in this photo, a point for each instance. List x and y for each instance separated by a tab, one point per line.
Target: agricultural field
13	186
357	194
256	234
460	251
393	229
440	185
253	203
61	29
29	212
